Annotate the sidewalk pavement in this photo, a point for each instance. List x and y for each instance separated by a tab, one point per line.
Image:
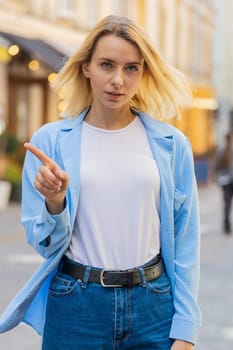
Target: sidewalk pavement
211	208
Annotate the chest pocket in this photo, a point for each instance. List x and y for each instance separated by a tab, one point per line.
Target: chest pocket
179	199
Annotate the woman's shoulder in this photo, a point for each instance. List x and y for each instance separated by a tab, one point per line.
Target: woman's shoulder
63	124
162	128
47	135
51	127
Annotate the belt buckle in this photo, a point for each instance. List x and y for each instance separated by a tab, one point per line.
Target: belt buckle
107	285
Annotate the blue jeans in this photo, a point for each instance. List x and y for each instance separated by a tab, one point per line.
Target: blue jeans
82	315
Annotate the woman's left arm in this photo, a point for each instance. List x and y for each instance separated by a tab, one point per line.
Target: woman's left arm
186	320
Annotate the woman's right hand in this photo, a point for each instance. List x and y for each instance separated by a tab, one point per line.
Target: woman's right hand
50	181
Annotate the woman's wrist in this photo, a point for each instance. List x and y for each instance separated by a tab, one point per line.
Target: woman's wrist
55	207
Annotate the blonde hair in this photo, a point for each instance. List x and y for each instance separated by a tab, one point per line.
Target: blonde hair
162	87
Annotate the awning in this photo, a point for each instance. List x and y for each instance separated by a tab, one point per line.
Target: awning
66	40
38	49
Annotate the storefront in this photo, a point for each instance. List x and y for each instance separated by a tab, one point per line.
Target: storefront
30	101
26	102
198	123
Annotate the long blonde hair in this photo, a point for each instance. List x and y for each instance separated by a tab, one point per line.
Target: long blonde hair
162	88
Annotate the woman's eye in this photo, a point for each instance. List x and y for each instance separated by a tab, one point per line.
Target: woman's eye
106	65
132	68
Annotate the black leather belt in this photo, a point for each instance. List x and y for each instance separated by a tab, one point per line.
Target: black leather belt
124	278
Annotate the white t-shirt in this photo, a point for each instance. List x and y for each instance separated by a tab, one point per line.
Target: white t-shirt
117	224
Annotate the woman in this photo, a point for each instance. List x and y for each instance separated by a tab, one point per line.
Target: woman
224	168
110	201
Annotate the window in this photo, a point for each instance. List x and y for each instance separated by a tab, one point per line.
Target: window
66	9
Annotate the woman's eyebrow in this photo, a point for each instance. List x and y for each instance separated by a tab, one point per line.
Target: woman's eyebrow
112	61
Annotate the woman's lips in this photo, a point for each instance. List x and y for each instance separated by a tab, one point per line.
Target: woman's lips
114	95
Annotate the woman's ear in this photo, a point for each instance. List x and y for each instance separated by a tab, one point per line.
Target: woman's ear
85	69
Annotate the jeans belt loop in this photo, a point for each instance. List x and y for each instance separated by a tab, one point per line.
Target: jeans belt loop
86	277
143	277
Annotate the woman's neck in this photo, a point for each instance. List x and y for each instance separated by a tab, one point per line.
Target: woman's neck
111	120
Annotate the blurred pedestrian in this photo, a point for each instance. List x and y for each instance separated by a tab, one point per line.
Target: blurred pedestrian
110	202
225	179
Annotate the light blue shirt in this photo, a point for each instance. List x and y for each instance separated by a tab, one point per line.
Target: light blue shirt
179	215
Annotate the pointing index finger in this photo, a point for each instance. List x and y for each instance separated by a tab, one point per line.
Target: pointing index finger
40	155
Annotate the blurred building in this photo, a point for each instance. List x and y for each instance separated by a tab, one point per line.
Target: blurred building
223	67
47	31
184	31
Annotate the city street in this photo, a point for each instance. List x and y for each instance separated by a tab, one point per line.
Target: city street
18	261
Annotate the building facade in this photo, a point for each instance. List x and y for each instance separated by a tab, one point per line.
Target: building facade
223	67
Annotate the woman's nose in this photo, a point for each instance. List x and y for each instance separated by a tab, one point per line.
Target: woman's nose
118	78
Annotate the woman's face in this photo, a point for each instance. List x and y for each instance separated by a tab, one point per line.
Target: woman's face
115	72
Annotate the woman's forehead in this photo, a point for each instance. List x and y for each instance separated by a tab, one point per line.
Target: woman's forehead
114	47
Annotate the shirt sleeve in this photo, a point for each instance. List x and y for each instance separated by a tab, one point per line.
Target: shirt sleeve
187	317
46	233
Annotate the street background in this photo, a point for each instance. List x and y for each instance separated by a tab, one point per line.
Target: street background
18	261
36	38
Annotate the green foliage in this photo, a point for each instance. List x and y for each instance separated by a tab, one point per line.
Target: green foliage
13	173
14	152
12	144
3	142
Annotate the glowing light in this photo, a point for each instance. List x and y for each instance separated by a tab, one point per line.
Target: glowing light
34	65
205	103
51	77
13	50
4	55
